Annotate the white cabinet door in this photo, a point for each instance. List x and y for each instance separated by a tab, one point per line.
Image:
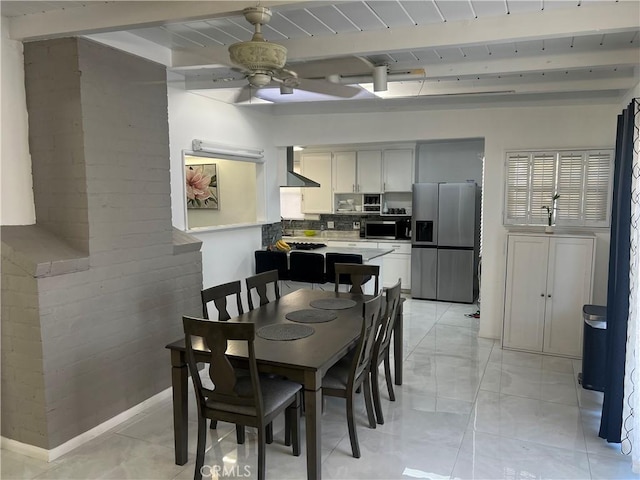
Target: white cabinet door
549	279
369	171
526	280
317	167
396	265
344	172
569	287
397	167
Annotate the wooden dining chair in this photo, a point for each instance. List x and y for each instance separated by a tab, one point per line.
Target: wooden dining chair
382	347
359	275
260	284
218	295
345	377
225	395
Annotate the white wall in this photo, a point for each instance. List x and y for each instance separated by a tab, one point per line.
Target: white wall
226	255
504	128
16	190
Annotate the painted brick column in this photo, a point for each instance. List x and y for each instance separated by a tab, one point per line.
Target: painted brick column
112	284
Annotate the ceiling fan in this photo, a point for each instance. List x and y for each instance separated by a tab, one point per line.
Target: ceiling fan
264	63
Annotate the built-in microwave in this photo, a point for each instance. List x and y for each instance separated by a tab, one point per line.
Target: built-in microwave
388	229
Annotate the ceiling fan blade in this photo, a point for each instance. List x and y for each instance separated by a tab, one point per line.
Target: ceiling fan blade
322	68
244	95
328	88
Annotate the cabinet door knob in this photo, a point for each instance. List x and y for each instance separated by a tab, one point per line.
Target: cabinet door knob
549	296
542	294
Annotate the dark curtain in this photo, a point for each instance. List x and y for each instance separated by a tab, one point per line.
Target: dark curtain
618	286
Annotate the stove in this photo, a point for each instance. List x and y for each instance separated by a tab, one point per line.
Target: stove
305	245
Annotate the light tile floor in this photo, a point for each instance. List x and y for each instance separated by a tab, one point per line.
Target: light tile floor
467	410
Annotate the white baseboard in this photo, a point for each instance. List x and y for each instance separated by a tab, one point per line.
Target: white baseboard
24	449
57	452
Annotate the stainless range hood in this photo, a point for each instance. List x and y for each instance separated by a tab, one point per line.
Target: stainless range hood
295	179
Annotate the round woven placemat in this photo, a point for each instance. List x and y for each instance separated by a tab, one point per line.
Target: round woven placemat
311	316
333	303
286	331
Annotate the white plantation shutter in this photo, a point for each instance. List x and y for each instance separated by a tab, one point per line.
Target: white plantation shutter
582	178
570	188
517	191
598	185
543	184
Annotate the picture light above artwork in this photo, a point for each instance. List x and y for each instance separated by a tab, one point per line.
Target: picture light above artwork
227	150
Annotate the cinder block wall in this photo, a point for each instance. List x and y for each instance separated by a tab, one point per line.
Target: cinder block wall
56	140
23	403
103	323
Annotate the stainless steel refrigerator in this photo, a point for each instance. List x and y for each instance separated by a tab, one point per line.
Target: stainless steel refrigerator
445	241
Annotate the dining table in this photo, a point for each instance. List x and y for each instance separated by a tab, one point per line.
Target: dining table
304	360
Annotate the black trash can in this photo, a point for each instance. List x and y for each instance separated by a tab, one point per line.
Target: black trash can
594	347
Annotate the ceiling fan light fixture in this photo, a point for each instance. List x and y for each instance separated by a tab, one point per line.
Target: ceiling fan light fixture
380	78
258	55
285	90
259	79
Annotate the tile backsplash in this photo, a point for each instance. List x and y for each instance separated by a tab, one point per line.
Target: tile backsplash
273	231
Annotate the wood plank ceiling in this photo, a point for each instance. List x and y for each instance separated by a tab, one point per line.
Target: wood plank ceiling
429	47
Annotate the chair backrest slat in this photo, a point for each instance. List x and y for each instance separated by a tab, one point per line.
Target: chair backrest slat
218	295
388	318
259	283
364	349
333	258
359	274
216	336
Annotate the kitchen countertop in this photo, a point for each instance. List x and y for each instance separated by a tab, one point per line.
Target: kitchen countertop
368	254
323	237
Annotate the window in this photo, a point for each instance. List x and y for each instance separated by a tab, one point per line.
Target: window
582	178
235	192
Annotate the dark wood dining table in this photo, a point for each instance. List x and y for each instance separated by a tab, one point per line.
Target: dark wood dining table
305	361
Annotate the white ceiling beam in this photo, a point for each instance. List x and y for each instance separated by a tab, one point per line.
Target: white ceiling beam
134	44
534	63
480	86
121	15
201	83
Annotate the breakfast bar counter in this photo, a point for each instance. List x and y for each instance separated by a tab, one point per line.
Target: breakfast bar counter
368	254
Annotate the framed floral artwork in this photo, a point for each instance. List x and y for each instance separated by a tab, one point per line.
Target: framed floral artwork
202	186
